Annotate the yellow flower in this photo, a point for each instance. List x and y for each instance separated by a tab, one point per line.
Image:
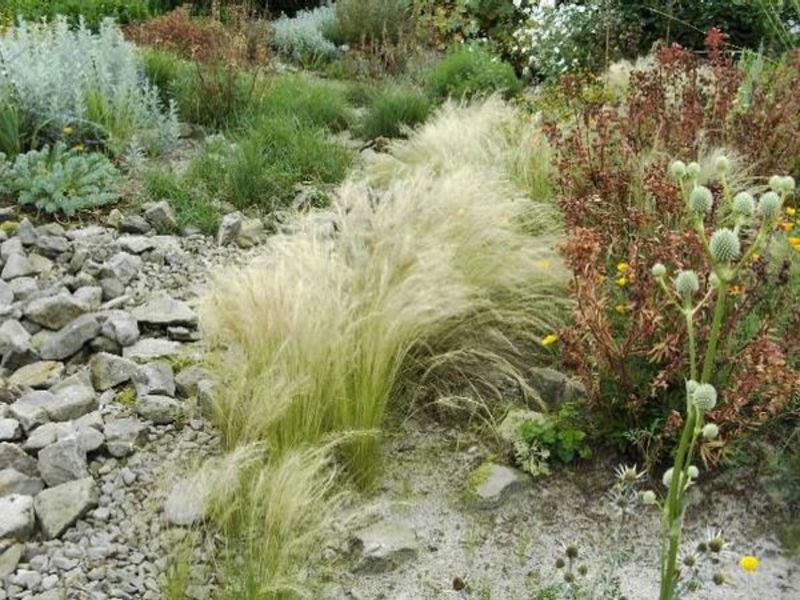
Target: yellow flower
621	309
795	242
736	290
543	264
791	211
786	226
749	563
622	281
79	148
549	340
68	130
623	267
755	257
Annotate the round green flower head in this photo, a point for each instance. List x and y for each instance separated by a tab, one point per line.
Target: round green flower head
693	169
710	431
769	206
725	245
705	397
693	472
713	280
787	184
667	478
687	284
701	199
744	204
648	497
722	164
677	169
658	270
775	183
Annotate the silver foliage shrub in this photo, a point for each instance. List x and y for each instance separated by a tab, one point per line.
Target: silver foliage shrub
64	77
302	37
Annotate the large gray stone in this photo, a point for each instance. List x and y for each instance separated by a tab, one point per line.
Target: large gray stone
16	345
492	483
164	310
555	387
229	227
59	507
161	216
123	436
10	430
39	375
63	461
383	547
154	378
161	410
121	327
17	265
187	501
14	482
10	555
61	344
110	370
136	244
31	409
6	294
54	312
252	233
149	349
187	380
89	439
51	245
75	398
89	295
16	517
12	457
122	266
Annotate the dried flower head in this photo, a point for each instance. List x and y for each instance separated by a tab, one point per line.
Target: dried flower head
628	475
725	245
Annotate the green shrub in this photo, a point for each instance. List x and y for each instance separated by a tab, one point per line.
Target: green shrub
192	206
61	180
266	162
472	71
162	68
393	110
303	37
373	22
308	100
92	11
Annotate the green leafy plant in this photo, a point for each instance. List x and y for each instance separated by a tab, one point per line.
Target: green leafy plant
91	11
370	22
60	180
192	206
472	71
393	111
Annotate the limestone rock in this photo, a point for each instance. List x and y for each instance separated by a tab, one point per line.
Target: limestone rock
121	327
252	233
6	294
161	410
229	228
12	457
110	370
61	344
154	378
122	266
164	310
187	502
62	462
59	507
54	312
39	375
123	436
15	344
149	349
75	398
384	546
10	555
17	265
91	296
161	216
14	482
555	387
136	244
492	483
134	224
10	430
31	408
187	380
16	517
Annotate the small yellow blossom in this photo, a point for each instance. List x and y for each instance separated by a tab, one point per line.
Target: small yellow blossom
68	130
543	264
549	340
623	267
736	290
622	281
79	148
791	211
621	309
749	563
787	226
795	242
755	257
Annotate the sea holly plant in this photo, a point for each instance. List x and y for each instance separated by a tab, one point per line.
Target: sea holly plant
745	227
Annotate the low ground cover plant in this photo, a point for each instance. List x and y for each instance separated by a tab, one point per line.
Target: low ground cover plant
471	71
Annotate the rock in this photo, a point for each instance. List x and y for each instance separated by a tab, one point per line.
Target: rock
187	380
15	345
41	265
164	310
24	287
16	517
136	244
555	388
134	224
26	232
6	294
492	483
63	461
122	266
39	375
114	218
89	439
12	457
9	392
112	288
61	344
12	246
51	245
54	312
9	559
121	327
109	370
383	547
182	334
252	233
161	410
123	436
187	502
10	430
149	349
229	228
161	216
75	398
14	482
91	296
59	507
154	378
206	390
17	265
31	409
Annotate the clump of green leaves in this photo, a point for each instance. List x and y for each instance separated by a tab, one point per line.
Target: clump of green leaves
394	110
537	438
472	71
60	180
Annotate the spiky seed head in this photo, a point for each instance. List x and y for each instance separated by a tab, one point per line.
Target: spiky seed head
719	579
782	185
658	270
722	164
701	199
560	563
583	570
693	472
769	206
705	397
689	560
569	577
788	184
713	280
691	387
677	169
710	431
725	245
667	478
687	284
571	551
648	497
693	169
775	183
744	204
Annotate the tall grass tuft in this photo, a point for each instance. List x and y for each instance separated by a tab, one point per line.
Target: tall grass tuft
422	268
